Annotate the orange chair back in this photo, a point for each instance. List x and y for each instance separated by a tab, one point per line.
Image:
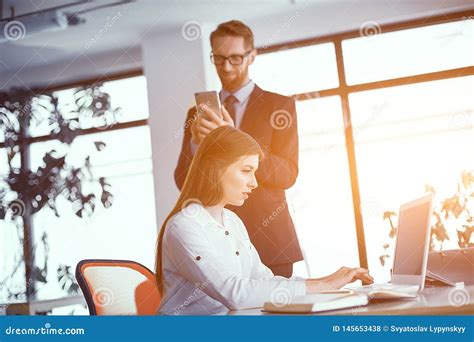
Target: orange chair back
118	287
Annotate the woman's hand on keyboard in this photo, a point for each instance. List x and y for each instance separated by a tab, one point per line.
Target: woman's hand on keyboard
338	279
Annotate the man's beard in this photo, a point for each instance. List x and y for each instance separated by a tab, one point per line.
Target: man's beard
231	82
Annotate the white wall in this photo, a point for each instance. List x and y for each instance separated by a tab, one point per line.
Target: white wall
175	65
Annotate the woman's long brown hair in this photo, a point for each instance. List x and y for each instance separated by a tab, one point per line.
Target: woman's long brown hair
220	149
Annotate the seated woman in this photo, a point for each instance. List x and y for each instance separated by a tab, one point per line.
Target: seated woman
205	262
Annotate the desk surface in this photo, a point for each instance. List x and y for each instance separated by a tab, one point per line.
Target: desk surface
431	301
40	306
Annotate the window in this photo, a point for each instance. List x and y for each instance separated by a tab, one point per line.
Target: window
404	135
120	152
409	52
321	199
417	135
297	71
126	230
131	107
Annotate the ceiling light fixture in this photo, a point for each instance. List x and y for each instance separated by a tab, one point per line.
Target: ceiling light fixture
54	19
44	21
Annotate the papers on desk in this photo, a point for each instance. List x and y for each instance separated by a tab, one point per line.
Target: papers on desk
335	300
434	277
318	302
451	266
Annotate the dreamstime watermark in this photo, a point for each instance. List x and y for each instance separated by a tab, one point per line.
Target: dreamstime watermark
14	30
285	26
107	26
461	120
106	118
190	121
280	297
104	297
46	330
459	29
377	110
274	214
198	291
310	96
191	30
25	110
358	309
17	208
327	146
458	296
281	119
187	125
371	208
3	65
190	210
370	29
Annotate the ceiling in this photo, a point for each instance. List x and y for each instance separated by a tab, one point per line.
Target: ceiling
133	21
124	26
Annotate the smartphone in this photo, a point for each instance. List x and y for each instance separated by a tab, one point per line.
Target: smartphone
210	99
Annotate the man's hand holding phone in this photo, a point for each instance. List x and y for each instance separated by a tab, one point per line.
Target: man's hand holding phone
207	120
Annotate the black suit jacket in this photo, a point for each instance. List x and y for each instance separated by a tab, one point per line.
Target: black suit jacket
270	119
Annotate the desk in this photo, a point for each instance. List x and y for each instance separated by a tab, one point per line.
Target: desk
36	307
431	301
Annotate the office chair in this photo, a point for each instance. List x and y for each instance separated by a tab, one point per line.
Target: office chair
118	287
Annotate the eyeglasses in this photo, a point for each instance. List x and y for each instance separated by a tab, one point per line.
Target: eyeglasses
233	60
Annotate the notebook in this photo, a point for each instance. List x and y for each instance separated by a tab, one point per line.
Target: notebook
318	302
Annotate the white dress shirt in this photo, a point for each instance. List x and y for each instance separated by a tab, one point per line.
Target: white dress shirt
242	95
209	268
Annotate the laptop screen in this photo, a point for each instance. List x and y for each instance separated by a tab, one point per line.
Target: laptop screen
411	237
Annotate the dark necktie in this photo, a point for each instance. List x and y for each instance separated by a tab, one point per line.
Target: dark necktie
229	104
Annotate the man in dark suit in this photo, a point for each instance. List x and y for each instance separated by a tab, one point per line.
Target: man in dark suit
269	118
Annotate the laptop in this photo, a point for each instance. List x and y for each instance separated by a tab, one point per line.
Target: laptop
411	250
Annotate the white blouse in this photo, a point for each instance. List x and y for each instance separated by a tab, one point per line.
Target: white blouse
209	268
